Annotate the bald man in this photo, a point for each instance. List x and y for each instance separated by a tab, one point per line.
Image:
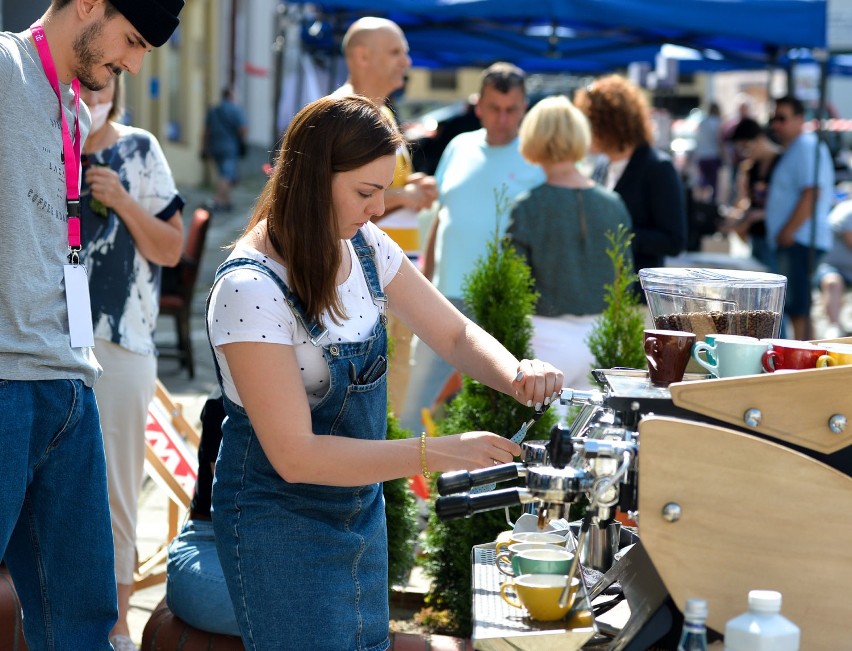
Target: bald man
377	59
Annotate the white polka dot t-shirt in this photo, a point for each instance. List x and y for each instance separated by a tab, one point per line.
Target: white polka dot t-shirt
247	306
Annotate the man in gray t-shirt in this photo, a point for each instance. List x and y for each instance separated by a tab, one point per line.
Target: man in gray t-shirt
55	531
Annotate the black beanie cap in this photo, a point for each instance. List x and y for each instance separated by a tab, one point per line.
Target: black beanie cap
156	20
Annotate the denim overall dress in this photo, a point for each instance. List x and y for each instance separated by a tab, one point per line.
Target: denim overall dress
306	565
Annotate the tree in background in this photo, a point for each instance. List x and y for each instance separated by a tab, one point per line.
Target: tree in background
500	294
616	338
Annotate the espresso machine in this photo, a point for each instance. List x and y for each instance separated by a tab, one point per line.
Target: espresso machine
592	459
736	484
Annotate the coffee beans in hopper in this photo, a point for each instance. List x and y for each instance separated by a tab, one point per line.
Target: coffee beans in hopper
751	323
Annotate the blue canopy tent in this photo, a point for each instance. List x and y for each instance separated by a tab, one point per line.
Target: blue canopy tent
584	35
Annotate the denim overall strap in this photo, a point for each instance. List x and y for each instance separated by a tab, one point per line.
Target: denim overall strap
367	257
303	544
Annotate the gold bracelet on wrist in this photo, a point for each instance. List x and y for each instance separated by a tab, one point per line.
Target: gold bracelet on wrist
423	468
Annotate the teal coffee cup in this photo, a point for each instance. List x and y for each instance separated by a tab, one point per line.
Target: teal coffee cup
504	558
731	355
540	561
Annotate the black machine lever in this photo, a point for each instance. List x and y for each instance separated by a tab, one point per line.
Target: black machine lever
461	481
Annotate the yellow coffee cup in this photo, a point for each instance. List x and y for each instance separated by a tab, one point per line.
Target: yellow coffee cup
835	355
539	594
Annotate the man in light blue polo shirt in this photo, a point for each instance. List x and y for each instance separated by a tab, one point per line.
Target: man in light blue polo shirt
473	169
797	209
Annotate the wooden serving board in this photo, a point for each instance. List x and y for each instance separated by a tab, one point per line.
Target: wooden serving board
755	515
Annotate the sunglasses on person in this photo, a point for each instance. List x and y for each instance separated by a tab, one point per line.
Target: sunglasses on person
779	118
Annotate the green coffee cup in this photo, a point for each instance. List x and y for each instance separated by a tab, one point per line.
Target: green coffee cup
542	561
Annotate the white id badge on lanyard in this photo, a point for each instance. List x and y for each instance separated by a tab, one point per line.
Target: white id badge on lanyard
79	306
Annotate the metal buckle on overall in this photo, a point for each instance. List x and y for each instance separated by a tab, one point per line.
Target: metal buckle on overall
315	340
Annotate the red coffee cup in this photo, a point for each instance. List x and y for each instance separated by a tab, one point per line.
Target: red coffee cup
790	355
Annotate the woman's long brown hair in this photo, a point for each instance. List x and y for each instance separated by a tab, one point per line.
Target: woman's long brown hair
328	136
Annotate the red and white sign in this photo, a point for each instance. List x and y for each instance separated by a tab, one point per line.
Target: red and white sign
169	447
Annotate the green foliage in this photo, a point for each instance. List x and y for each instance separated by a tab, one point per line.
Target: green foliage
500	294
616	337
401	515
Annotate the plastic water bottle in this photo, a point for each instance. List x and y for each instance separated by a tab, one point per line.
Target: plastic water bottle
694	636
762	628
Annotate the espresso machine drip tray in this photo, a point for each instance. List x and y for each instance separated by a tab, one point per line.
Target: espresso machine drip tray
497	626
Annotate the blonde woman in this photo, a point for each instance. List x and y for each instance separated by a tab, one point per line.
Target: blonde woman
560	228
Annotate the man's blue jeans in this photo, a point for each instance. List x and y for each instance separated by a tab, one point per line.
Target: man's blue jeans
54	514
195	584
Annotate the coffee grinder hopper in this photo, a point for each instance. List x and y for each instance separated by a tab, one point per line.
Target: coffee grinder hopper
718	301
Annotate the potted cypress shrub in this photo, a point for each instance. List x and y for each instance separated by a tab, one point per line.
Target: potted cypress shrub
500	294
616	337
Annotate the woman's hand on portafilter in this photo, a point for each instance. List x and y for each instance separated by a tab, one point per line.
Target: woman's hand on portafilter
469	451
537	383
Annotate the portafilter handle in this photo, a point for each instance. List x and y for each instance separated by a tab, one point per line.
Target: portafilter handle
462	505
461	481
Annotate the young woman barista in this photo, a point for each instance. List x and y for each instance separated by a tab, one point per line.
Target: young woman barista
297	321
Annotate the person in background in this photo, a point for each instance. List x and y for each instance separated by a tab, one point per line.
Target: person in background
747	215
560	228
54	511
709	153
296	318
797	206
645	178
223	141
834	274
474	168
732	157
377	60
195	585
131	226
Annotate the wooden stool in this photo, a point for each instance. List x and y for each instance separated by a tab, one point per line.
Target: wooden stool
11	627
165	632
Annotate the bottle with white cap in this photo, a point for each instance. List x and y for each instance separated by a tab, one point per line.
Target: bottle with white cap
694	635
762	628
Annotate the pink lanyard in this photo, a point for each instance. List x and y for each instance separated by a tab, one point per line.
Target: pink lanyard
70	150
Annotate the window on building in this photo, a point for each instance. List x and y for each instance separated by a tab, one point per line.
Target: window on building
443	80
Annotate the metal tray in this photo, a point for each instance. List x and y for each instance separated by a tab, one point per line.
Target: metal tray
497	626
